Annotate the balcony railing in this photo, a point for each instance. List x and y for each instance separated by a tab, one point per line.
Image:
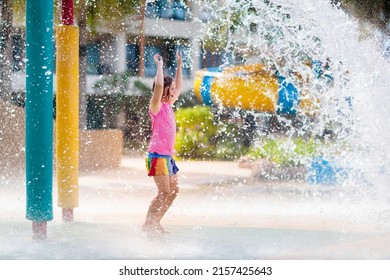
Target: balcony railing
167	9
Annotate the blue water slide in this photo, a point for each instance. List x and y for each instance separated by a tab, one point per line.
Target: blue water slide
288	97
205	88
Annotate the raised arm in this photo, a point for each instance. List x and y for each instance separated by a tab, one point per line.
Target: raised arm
155	101
179	75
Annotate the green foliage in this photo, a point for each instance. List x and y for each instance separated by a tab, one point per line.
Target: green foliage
110	10
113	82
111	97
113	88
285	151
196	132
19	10
137	130
187	99
216	37
200	137
143	88
96	9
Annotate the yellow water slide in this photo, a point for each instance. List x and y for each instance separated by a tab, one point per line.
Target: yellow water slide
250	87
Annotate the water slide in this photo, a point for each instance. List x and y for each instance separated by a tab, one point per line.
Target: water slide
251	87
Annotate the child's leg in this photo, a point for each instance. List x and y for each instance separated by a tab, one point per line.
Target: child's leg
173	191
157	204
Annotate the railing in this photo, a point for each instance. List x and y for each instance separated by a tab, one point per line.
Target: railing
167	9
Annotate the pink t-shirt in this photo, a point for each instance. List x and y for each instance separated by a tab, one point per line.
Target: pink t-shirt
163	131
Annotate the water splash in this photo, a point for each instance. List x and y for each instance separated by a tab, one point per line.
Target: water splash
323	52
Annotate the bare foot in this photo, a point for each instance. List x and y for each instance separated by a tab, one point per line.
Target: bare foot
153	230
162	230
150	230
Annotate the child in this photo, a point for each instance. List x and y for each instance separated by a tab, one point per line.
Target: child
159	161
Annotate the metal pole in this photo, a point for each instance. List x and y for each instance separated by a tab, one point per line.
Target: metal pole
67	112
39	114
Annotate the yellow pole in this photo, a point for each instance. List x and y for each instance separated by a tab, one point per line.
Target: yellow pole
67	118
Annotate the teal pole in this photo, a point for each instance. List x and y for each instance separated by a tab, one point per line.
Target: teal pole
39	114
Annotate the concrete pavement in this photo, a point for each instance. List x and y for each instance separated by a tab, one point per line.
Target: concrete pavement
220	213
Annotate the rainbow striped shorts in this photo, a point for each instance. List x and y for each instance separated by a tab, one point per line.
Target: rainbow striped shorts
157	165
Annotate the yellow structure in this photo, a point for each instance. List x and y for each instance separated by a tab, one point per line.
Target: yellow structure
67	115
252	87
247	87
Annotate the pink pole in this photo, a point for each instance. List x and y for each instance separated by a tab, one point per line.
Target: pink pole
67	215
67	12
39	230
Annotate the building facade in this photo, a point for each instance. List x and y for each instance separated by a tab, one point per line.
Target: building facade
115	48
169	25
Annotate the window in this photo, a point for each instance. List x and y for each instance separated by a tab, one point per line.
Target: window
167	48
93	58
168	9
211	59
150	67
17	52
132	58
186	50
95	116
179	10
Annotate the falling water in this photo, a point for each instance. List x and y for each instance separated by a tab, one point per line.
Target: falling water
352	92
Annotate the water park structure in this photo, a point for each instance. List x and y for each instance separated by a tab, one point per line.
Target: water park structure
251	87
39	108
39	113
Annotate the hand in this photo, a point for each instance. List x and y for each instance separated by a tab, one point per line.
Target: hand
179	57
158	59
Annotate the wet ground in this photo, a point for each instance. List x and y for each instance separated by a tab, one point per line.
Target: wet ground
220	213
